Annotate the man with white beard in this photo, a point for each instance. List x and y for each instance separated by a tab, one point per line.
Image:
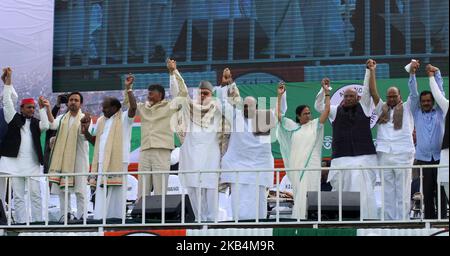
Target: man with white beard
198	126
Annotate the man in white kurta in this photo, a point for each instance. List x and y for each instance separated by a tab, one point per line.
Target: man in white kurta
359	179
81	158
200	150
247	150
395	147
26	163
114	203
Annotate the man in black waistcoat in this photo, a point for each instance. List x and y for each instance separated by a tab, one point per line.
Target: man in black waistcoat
21	151
352	146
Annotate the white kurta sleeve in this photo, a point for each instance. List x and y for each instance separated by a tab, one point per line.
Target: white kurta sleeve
179	90
178	87
55	124
229	111
333	111
8	105
289	124
43	123
366	99
174	90
14	95
284	106
227	92
438	95
319	105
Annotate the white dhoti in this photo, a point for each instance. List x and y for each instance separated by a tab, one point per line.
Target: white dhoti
397	185
357	180
245	203
110	202
247	151
200	151
207	200
24	164
34	193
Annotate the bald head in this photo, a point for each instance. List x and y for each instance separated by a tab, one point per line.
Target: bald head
393	96
393	89
350	98
351	91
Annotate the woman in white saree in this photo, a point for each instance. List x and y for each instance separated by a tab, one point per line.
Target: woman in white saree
301	147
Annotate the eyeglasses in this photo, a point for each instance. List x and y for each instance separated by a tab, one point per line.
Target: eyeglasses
205	93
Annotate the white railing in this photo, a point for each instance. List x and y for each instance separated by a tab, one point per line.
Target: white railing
128	221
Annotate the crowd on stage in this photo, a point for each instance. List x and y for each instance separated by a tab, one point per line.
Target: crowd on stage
219	130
